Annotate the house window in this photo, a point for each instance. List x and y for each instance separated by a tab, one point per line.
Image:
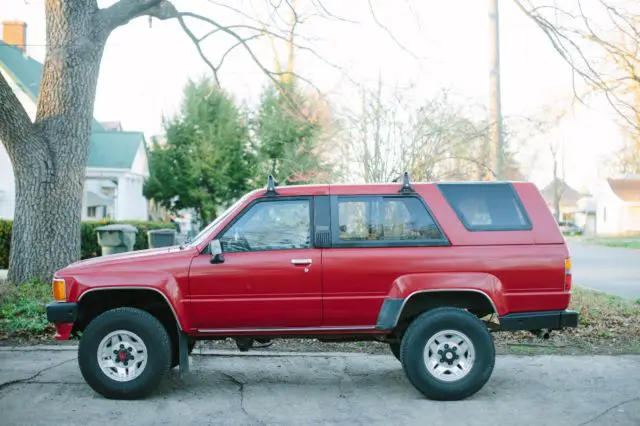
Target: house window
92	211
604	214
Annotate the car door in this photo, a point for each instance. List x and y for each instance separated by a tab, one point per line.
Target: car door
270	275
375	240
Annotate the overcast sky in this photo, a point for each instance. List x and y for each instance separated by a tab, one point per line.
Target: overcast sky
144	69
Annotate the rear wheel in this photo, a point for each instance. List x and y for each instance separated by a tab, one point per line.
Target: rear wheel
124	353
447	354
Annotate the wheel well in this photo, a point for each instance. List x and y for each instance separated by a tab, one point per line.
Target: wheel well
96	302
477	303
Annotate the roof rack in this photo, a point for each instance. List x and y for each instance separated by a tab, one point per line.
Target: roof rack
271	186
406	185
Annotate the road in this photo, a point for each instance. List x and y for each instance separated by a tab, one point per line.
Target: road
44	387
612	270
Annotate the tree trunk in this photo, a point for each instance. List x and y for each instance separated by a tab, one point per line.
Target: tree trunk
50	164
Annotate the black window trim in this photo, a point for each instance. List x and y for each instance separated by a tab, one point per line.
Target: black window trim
488	228
335	226
270	199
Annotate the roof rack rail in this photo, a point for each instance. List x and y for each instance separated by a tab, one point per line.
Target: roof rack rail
271	186
406	185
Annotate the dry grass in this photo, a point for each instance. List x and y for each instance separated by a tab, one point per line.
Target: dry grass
608	325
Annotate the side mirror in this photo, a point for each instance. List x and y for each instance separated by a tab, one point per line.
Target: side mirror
215	248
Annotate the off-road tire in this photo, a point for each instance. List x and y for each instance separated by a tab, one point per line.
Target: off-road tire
153	334
429	324
395	350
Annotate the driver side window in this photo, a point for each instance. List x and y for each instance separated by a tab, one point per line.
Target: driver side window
270	225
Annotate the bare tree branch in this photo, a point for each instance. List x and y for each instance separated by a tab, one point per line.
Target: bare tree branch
196	43
584	65
124	11
233	47
319	4
388	31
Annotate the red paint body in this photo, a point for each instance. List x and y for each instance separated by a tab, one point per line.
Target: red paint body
342	290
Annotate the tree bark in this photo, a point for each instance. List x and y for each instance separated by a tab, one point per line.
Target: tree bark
50	163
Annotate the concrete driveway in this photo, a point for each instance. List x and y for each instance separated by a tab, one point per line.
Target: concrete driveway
43	387
612	270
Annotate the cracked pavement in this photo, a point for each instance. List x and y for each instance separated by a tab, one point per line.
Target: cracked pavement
42	386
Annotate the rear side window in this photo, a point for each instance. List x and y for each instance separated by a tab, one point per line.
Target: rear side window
487	206
368	219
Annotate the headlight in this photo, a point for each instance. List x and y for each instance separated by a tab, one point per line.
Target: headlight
59	290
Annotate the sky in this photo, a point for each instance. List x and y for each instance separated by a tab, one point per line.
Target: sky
434	45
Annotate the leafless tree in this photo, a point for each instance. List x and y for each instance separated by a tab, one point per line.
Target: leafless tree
49	155
435	140
600	40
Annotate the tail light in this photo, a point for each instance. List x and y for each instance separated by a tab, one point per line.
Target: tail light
567	274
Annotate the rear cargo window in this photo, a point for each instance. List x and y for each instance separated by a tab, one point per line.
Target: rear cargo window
487	206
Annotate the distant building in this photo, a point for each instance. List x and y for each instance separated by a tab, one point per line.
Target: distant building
112	126
585	215
568	196
117	167
618	206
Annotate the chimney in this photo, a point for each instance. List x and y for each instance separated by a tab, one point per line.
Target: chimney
15	34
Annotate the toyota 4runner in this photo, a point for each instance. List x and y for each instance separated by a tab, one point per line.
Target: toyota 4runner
428	268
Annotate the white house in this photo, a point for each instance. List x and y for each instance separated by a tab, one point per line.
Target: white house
618	206
585	215
117	166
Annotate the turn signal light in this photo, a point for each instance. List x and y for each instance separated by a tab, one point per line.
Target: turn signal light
567	274
59	290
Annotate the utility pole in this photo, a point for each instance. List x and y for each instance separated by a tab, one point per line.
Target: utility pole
495	103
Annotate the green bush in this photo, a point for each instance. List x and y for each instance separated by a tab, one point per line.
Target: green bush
22	310
88	237
5	242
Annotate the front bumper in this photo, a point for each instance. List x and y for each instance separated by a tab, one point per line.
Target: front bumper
62	312
553	320
62	315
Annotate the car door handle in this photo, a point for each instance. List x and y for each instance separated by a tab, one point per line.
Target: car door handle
301	261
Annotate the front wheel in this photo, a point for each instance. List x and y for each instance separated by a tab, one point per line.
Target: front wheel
447	354
124	353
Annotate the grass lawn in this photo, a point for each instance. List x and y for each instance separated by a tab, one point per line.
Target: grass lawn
624	242
608	325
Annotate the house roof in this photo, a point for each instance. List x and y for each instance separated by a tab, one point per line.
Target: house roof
114	150
26	72
568	194
107	149
627	190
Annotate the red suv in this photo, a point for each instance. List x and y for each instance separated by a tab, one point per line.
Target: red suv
429	269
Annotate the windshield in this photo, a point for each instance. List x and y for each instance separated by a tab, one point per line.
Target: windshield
207	230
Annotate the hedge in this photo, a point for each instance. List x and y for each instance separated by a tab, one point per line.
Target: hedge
89	240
